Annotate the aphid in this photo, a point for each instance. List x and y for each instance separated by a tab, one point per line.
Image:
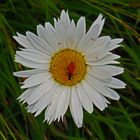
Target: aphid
70	69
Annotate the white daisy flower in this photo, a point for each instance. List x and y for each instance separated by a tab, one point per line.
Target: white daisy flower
70	68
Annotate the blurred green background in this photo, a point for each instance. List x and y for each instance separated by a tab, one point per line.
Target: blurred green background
121	120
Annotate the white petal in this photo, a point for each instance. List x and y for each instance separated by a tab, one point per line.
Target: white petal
35	51
84	99
80	29
64	18
39	92
94	96
60	34
31	64
72	35
93	32
105	71
99	21
97	44
101	88
108	59
48	35
46	99
64	99
26	94
114	94
36	80
62	27
99	72
114	70
114	43
98	49
22	40
30	108
88	38
106	102
50	113
115	83
65	30
28	73
76	108
39	44
34	57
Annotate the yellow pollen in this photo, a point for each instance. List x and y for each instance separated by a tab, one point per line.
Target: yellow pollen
68	67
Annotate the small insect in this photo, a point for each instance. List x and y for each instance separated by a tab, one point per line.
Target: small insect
70	69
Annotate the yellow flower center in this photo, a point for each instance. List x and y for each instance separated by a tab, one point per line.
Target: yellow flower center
68	67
